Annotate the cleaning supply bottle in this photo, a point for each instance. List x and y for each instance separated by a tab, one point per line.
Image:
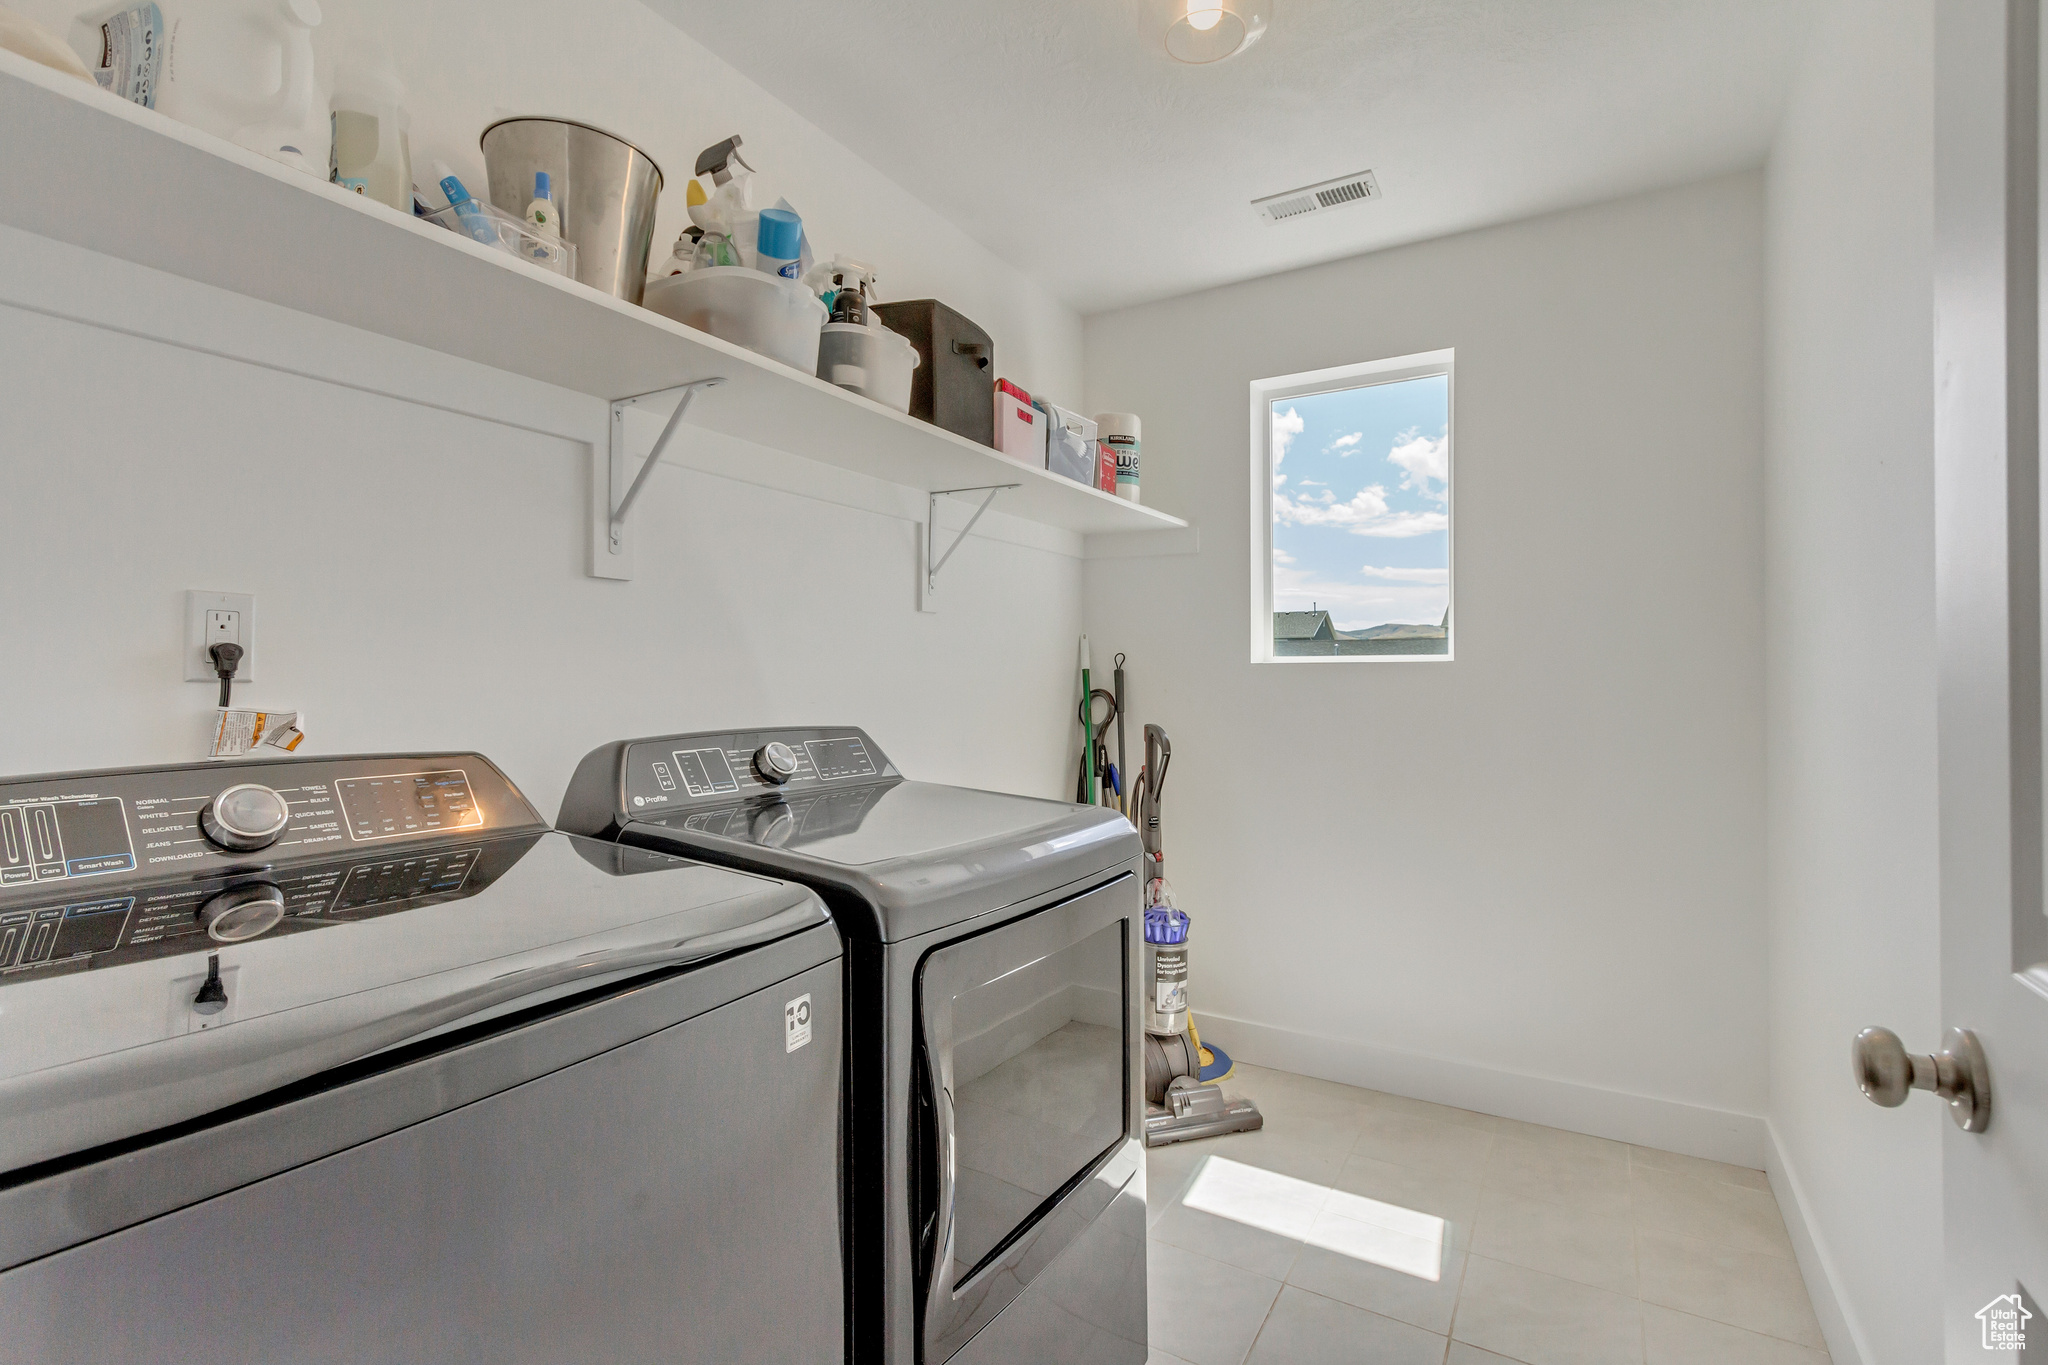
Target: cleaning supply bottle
779	243
846	287
728	211
372	135
540	214
683	259
239	69
468	214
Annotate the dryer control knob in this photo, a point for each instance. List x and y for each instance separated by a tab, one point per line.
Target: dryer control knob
775	762
245	817
242	912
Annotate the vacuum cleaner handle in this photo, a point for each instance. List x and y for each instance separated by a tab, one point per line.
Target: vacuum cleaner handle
1158	754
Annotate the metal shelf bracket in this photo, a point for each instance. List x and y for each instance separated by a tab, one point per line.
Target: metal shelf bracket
931	525
622	504
933	560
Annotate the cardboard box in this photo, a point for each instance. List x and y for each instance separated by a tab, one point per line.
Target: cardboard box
1105	467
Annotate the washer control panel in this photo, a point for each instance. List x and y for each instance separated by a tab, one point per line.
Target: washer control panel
66	929
94	830
724	767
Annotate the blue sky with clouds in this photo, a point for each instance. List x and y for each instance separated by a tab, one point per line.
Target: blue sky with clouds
1361	503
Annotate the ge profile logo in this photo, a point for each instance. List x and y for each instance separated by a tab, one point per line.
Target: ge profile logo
796	1023
2005	1323
639	800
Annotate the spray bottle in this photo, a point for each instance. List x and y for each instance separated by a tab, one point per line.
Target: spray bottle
728	212
846	287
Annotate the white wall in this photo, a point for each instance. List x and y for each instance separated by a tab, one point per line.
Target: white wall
413	526
1849	549
1530	880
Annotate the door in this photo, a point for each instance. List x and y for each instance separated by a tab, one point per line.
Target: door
1026	1037
1989	600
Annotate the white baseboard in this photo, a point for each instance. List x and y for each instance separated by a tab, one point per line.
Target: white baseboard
1695	1130
1816	1265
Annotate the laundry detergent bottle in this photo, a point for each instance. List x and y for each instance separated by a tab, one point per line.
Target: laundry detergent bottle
243	70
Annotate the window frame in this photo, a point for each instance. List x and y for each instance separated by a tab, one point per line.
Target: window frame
1365	374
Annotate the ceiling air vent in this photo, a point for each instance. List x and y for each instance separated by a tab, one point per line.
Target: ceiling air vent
1330	194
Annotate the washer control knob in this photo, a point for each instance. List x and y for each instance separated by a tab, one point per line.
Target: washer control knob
245	817
775	762
242	912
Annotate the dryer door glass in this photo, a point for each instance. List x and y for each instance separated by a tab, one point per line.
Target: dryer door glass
1038	1087
1027	1031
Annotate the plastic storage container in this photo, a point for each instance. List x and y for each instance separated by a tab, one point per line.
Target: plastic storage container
515	238
775	317
1070	444
871	360
1019	426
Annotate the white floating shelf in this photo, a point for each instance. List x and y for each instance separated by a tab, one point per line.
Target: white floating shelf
83	167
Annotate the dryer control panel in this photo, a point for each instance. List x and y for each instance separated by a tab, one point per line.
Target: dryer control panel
102	830
724	767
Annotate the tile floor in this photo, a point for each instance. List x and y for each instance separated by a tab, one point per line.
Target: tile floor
1363	1227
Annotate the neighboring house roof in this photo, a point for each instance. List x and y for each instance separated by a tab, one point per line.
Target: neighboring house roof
1394	631
1302	625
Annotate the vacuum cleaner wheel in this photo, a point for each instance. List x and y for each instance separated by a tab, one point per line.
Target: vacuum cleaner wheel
1166	1057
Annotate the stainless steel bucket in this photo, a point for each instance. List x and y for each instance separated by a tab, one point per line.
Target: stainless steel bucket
604	187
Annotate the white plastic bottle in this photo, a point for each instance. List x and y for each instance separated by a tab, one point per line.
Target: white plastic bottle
373	137
541	215
244	70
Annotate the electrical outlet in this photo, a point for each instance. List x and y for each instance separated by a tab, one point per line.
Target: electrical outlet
213	618
181	1017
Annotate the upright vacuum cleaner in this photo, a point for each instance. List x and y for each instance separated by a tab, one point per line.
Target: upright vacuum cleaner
1183	1096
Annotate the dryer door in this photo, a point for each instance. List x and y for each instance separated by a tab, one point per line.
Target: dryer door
1025	1059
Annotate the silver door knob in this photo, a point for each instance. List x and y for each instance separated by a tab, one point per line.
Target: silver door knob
1887	1073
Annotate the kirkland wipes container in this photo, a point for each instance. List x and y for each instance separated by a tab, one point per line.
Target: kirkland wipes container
1119	431
765	313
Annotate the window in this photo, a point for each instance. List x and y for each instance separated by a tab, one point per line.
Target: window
1351	512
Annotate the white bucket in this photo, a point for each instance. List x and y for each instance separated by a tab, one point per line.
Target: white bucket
870	360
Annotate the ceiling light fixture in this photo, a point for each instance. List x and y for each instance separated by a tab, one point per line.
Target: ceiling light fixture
1202	31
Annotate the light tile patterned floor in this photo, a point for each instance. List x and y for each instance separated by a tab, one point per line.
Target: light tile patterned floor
1364	1227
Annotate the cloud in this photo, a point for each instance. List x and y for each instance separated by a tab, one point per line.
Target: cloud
1282	557
1345	444
1366	514
1406	575
1425	463
1286	426
1368	506
1312	483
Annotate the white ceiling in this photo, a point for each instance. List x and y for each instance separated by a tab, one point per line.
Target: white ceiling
1060	135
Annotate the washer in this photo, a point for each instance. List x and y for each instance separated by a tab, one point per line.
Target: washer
355	1059
995	1103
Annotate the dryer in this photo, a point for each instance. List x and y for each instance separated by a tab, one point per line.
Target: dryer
995	1099
357	1060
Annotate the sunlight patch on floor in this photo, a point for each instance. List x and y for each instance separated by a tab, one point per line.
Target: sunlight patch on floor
1349	1224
